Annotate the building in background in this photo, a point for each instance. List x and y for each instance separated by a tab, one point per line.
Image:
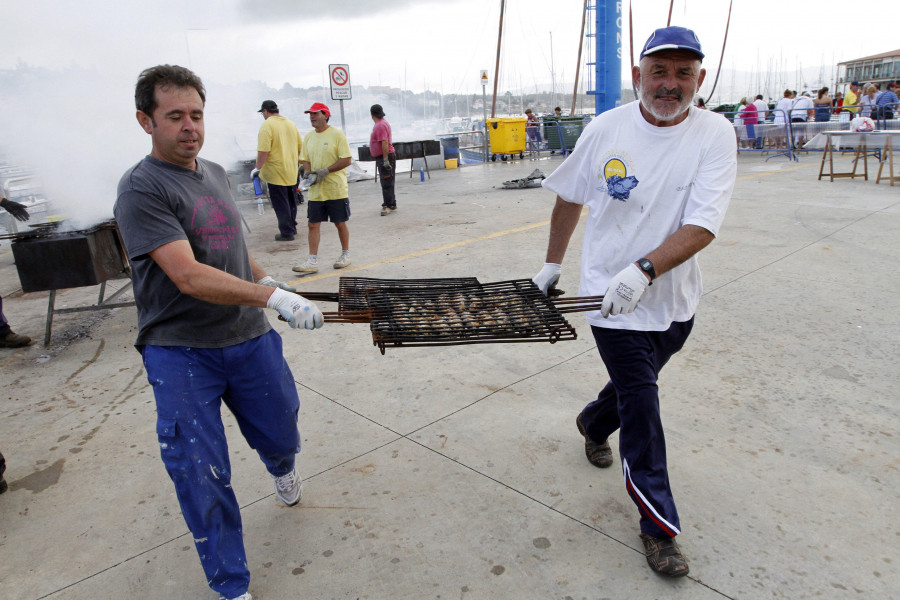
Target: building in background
878	69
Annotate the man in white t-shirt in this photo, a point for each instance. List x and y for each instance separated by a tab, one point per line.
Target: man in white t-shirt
802	111
657	175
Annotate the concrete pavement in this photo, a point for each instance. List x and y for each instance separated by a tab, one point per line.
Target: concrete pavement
457	472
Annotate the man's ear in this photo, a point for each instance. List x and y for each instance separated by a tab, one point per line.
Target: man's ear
145	121
636	77
701	78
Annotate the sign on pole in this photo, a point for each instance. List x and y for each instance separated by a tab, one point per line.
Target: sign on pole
483	79
339	76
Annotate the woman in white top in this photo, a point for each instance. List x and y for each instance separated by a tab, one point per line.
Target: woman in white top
783	107
867	100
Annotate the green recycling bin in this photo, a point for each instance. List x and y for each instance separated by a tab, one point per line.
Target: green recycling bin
561	133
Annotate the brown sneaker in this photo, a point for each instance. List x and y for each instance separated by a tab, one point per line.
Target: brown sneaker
664	556
599	455
14	340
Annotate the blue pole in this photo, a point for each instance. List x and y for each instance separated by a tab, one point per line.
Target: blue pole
608	65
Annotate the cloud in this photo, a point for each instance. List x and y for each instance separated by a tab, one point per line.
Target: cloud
310	11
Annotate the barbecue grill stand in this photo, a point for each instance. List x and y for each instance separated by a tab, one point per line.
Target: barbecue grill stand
101	305
51	261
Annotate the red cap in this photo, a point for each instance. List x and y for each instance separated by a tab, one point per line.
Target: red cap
318	107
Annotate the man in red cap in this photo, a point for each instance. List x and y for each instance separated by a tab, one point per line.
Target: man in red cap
325	155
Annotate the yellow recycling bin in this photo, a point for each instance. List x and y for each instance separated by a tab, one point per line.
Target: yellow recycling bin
507	136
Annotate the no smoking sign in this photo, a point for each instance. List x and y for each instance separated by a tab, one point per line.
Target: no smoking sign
339	77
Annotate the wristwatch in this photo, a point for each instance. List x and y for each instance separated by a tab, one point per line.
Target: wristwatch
647	267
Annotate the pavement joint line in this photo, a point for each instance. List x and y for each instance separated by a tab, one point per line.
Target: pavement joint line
804	247
764	174
425	252
559	512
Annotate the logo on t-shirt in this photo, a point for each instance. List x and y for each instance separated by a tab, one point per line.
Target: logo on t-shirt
614	174
211	222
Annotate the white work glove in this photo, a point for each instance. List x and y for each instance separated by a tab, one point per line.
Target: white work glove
254	174
296	310
624	291
547	277
276	284
321	174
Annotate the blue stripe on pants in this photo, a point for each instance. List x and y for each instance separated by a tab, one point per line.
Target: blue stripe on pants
630	402
189	384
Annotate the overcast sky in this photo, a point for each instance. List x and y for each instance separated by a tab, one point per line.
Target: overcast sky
77	126
439	43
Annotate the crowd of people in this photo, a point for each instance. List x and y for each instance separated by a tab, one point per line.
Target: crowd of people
860	101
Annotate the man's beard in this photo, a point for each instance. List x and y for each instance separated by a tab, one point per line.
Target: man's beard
647	98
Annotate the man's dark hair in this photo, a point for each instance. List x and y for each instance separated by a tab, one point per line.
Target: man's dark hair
163	76
759	97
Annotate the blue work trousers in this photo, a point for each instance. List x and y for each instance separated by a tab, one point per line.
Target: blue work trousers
630	403
256	384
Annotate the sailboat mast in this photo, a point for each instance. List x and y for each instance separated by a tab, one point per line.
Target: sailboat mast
497	67
552	75
578	64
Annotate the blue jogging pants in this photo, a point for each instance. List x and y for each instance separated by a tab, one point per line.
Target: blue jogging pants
630	403
190	384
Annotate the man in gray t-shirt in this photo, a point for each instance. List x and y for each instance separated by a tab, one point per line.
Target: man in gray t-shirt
202	333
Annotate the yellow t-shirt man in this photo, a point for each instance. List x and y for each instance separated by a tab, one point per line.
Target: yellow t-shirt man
321	150
281	139
851	98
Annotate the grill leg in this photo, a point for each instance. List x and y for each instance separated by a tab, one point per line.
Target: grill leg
49	326
102	293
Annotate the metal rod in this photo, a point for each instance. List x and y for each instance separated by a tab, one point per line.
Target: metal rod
497	67
722	56
578	64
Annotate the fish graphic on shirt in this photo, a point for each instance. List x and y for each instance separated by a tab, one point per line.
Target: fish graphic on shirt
620	187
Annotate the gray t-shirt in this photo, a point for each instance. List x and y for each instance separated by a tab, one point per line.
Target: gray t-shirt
158	203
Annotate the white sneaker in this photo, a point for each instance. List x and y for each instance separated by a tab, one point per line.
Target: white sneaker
342	261
288	488
244	596
310	266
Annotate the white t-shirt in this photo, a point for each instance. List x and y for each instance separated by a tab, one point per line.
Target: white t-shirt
761	110
782	110
801	106
642	183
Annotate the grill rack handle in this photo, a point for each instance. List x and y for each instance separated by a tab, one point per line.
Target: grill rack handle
577	303
321	296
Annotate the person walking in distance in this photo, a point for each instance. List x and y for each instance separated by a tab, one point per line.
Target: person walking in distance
277	162
202	334
326	156
666	171
382	150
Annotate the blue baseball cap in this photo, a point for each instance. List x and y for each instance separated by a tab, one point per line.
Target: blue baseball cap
672	38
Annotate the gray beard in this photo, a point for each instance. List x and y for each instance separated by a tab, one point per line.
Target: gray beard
647	103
